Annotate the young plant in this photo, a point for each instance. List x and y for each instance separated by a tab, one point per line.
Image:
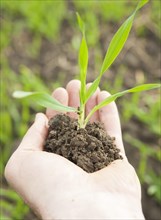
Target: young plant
113	51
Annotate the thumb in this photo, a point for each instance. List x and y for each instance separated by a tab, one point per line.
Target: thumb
35	136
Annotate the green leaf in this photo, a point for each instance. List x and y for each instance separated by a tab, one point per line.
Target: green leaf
83	63
117	43
115	47
144	87
113	97
83	60
119	39
92	89
10	194
141	4
44	100
80	23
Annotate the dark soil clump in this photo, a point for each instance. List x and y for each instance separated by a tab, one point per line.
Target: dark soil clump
90	148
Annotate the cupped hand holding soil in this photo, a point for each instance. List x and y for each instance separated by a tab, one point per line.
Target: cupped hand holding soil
90	148
56	188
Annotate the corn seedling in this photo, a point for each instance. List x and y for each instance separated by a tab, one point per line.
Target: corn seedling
113	51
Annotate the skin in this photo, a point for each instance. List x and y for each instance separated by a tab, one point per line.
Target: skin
55	188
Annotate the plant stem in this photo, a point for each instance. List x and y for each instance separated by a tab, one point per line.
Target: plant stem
81	117
89	115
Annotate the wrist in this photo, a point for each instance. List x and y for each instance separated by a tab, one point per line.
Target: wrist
95	206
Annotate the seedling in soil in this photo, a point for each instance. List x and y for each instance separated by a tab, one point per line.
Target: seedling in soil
113	51
87	145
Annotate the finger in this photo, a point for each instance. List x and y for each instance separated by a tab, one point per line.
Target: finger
73	88
61	95
109	116
91	103
35	136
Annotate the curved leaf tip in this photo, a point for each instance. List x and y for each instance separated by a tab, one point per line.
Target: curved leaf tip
21	94
44	100
141	4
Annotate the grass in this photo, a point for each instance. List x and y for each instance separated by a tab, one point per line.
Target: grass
12	206
146	173
16	117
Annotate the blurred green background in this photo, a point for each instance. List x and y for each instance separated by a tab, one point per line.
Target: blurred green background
39	48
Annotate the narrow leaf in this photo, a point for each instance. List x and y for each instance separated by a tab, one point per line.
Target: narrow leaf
119	39
117	43
141	4
83	59
80	23
115	47
92	89
113	97
44	100
144	87
83	63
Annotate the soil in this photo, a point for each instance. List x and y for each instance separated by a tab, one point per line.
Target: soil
91	148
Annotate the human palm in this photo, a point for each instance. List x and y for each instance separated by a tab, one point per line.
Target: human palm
56	188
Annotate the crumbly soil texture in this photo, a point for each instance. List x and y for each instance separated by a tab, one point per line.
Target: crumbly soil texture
91	148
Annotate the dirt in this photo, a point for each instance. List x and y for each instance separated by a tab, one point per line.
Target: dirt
91	148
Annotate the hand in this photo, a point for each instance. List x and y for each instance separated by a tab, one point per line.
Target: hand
55	188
